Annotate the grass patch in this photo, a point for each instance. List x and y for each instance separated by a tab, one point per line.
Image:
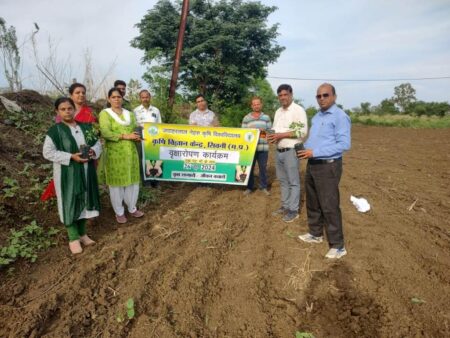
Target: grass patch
26	243
403	121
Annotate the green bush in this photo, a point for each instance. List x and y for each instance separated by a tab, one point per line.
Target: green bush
26	243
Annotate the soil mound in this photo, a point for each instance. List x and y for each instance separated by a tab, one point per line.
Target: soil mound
24	172
29	100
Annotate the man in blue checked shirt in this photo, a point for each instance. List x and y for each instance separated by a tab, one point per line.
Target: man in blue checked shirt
328	138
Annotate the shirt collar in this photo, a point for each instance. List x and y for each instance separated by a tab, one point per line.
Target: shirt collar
260	115
289	107
203	112
330	110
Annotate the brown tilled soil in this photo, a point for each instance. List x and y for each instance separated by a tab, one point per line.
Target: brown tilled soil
210	262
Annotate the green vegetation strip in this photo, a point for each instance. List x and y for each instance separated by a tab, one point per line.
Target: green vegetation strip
405	121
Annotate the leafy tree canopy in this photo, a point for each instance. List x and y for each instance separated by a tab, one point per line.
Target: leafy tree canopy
404	96
429	108
388	107
227	45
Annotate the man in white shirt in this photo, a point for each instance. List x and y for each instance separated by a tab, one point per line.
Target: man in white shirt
202	116
146	112
290	126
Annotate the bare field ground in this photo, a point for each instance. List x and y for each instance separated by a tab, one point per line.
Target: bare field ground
210	262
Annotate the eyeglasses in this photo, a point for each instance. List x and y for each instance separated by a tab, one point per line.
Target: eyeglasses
318	97
199	101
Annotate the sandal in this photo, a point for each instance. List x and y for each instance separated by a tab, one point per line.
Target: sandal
121	219
137	213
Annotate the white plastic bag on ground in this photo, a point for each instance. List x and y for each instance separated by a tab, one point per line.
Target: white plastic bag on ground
361	204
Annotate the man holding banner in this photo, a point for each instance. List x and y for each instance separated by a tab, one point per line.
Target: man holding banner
290	127
147	113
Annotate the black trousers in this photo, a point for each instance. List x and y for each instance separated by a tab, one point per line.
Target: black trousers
322	201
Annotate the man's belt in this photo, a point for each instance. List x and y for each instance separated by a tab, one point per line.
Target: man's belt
331	160
282	150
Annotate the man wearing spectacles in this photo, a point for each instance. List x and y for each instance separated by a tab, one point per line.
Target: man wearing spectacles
290	125
202	116
329	137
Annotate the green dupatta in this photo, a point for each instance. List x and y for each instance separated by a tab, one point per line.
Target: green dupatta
74	183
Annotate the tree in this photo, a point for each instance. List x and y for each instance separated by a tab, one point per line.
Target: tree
429	108
232	115
52	69
133	89
404	95
227	45
10	56
365	108
387	107
263	89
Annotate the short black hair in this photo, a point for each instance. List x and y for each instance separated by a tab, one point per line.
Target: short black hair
62	100
74	86
119	83
114	89
284	87
200	95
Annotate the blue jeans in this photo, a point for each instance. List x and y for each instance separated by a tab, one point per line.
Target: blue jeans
261	157
288	173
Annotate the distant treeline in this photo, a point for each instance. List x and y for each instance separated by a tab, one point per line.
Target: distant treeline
403	102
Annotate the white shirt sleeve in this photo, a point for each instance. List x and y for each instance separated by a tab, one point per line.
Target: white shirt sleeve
158	115
97	148
136	112
52	154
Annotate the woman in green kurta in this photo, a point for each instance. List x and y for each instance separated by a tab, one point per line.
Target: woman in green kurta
120	162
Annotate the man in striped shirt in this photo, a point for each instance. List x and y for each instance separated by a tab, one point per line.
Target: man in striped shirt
258	120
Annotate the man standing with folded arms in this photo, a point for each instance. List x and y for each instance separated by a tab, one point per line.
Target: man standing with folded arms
329	137
290	126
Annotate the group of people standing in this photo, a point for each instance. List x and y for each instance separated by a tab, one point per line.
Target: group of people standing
329	137
76	180
74	171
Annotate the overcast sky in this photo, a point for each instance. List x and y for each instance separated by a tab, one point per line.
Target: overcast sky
324	39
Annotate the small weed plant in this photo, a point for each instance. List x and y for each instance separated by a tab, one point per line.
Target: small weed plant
26	243
11	186
130	313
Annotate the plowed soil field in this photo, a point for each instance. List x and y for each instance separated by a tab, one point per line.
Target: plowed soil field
211	262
